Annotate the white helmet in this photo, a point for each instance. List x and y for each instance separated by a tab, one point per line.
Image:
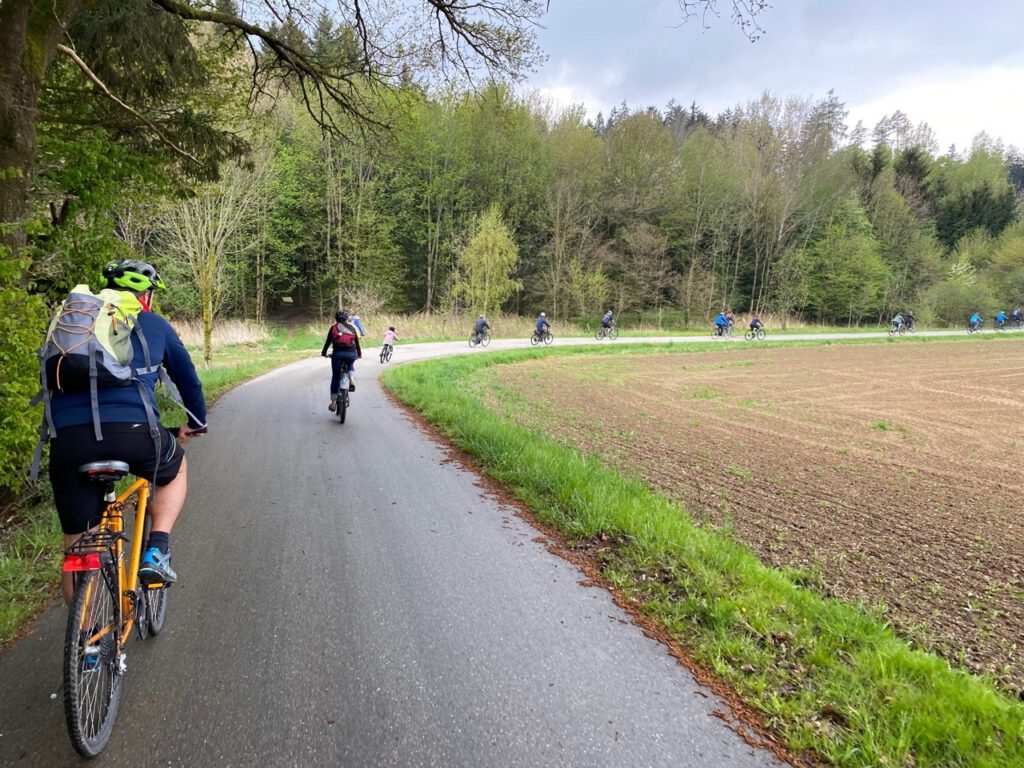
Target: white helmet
542	314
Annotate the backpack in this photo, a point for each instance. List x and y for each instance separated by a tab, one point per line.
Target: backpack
88	347
343	335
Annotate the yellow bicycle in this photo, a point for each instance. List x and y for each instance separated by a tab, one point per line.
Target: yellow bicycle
108	602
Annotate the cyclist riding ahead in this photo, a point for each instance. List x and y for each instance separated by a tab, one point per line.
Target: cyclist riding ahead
975	321
343	338
1000	320
897	323
542	324
607	321
755	322
721	324
480	327
122	417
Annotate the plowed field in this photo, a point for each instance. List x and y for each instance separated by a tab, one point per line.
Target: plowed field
888	474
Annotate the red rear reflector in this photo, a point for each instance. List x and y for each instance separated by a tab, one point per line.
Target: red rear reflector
88	562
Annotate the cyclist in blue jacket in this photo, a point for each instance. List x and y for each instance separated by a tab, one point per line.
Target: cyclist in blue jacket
126	433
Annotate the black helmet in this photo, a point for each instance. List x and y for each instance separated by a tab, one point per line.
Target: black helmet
132	274
341	316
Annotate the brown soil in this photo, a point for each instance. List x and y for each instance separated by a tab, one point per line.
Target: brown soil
885	473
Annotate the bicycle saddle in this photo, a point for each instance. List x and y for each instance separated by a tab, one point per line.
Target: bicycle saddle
104	470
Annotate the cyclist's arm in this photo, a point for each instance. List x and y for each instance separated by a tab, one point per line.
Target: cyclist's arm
183	373
327	343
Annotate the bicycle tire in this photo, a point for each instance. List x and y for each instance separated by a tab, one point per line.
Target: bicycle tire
154	601
383	356
600	334
485	339
92	688
391	349
548	338
535	340
473	341
342	404
613	333
749	335
761	334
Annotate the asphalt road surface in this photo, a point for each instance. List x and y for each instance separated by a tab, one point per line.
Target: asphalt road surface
349	597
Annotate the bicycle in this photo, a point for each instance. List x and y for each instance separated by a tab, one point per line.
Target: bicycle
611	332
385	353
974	327
341	406
108	602
897	329
539	336
720	332
483	339
754	333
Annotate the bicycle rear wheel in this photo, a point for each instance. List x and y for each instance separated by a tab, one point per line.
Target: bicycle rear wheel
600	334
92	680
473	341
535	339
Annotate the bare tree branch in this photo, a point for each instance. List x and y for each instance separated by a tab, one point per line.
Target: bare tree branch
106	92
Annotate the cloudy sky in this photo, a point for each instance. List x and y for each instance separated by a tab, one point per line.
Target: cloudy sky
959	66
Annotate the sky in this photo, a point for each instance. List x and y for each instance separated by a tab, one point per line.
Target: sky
958	66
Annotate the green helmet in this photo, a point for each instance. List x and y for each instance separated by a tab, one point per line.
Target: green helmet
132	274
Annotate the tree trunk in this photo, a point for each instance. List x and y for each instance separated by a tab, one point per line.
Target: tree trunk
29	33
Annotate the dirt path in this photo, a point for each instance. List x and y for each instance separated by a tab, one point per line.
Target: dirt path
886	474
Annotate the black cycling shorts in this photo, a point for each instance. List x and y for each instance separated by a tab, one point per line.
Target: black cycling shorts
80	502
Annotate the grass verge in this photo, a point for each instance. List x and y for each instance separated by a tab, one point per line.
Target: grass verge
30	536
828	677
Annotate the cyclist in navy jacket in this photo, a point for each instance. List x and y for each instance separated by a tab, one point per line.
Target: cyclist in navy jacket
126	431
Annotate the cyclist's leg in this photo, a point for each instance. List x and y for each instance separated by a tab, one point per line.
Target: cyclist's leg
336	363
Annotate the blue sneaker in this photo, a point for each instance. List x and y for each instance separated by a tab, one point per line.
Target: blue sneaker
156	568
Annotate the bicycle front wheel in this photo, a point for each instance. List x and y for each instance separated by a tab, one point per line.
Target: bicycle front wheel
92	680
548	338
760	334
613	334
485	339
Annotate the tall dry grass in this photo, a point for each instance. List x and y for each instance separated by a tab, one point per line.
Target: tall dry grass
226	333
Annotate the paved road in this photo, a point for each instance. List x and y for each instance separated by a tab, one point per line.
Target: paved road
350	598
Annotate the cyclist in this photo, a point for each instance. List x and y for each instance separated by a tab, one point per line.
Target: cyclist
975	321
730	320
1017	316
542	324
607	321
721	323
755	322
481	326
390	337
343	338
358	325
1000	319
909	321
897	322
126	432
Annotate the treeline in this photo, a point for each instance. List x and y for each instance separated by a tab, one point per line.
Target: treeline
233	169
773	206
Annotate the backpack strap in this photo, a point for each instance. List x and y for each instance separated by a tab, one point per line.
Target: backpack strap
94	397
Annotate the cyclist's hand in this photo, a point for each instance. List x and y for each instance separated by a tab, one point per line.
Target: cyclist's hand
185	432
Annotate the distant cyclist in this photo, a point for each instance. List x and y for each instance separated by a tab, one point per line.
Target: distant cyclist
607	321
755	322
1000	319
481	326
909	321
1017	316
975	321
721	324
897	322
358	326
390	337
542	324
343	338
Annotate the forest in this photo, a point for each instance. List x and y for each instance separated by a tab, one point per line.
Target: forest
256	181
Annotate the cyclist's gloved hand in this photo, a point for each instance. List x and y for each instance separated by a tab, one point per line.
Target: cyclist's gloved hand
187	431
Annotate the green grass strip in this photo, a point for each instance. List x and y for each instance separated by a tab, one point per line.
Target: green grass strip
828	676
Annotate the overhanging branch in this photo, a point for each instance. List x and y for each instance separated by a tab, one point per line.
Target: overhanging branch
101	86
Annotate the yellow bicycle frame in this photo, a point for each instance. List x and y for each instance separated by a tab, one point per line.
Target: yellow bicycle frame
113	521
